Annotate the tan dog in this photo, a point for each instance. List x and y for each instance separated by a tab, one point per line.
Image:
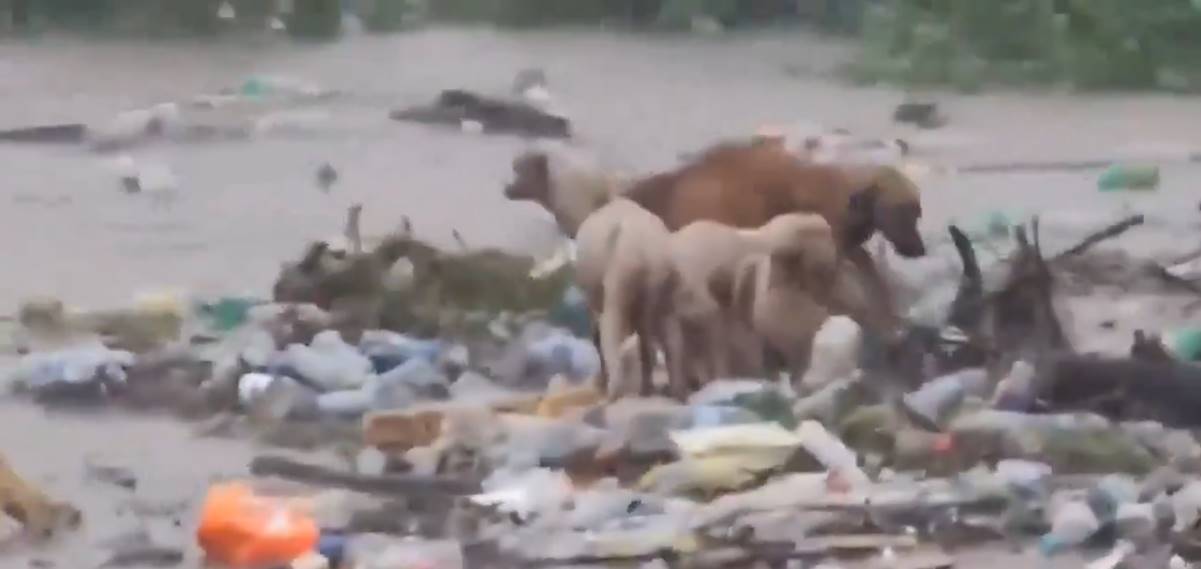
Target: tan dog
786	296
39	515
565	185
705	256
624	269
745	185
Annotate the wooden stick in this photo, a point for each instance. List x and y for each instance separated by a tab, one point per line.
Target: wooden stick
1108	232
403	484
353	231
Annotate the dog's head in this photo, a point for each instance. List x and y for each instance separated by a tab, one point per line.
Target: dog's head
803	246
891	204
531	178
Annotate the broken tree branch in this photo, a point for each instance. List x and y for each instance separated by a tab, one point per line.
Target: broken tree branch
353	230
1108	232
404	484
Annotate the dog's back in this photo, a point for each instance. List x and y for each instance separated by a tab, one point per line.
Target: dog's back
743	185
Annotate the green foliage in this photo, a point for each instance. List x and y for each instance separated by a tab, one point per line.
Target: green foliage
1089	43
315	19
521	13
386	15
678	14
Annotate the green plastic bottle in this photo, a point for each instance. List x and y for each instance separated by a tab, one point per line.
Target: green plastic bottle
1129	177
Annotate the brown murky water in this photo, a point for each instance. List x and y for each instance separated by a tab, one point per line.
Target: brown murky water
638	101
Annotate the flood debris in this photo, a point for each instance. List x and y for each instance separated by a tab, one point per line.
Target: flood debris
467	110
458	387
326	176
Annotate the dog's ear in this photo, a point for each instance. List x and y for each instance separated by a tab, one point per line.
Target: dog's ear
861	216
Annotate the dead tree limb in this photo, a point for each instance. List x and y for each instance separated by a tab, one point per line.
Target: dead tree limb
354	232
1108	232
402	484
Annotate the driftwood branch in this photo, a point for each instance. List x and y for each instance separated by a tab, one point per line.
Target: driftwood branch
1108	232
402	484
354	232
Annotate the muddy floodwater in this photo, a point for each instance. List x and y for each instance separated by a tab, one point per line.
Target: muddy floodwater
638	101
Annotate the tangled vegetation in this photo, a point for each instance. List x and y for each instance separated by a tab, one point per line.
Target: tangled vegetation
965	43
1085	43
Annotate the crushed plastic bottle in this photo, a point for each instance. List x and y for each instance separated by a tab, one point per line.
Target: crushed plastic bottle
836	349
329	363
572	313
1129	177
388	349
416	379
75	370
562	353
1015	392
832	453
262	86
1071	525
931	405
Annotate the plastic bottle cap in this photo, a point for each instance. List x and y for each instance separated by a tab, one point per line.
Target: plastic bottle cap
1050	545
944	443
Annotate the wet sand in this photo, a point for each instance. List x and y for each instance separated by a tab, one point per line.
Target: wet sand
638	101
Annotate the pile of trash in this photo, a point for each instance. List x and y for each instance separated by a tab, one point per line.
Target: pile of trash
459	386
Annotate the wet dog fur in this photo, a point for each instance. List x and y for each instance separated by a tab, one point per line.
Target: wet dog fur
705	256
624	270
747	184
786	296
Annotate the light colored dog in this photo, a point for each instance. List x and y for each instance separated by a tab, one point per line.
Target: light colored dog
624	269
785	297
565	183
705	256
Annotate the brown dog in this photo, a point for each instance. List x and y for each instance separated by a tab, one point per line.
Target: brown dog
705	256
745	185
565	185
624	270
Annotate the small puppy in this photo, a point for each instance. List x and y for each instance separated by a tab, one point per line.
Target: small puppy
565	185
705	256
624	269
786	296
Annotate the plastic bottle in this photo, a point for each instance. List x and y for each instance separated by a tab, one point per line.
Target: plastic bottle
243	529
415	378
73	367
831	453
1016	391
387	349
561	353
931	405
346	404
572	313
1129	177
329	363
836	348
1074	523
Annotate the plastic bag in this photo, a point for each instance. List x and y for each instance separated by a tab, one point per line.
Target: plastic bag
242	529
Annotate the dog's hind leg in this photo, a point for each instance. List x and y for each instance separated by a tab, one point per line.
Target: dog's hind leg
602	378
614	329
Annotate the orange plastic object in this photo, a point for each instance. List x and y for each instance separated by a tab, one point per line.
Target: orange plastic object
243	530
